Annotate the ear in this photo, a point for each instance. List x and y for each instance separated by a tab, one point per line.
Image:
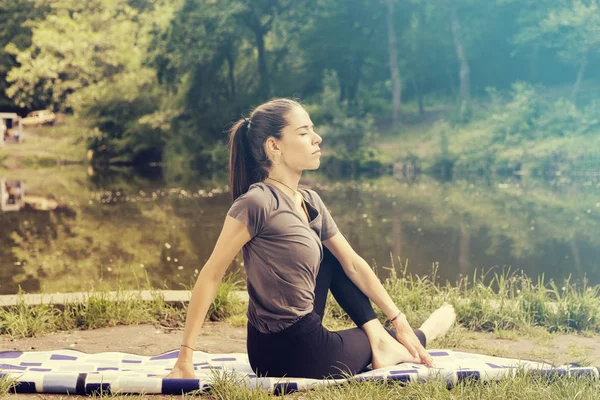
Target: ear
272	145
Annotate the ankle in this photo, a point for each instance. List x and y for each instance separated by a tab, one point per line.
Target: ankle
375	331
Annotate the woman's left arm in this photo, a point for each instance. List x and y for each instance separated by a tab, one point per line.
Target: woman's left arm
359	271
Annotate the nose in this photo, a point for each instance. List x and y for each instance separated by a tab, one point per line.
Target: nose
319	139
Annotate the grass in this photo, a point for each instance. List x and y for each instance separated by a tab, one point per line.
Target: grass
478	146
505	303
521	387
6	384
45	147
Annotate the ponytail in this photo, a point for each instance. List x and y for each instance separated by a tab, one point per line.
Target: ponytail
241	163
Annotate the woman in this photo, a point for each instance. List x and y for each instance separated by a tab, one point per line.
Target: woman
282	230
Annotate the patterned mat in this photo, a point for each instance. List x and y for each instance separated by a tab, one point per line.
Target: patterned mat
74	372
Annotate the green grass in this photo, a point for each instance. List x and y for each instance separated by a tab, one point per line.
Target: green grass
226	304
503	303
103	310
6	384
45	147
533	145
520	387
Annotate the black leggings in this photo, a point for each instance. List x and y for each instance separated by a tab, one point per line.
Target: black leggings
306	349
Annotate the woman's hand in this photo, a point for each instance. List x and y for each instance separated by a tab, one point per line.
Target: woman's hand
184	366
182	370
406	336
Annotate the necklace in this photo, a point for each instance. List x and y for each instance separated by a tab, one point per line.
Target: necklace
295	192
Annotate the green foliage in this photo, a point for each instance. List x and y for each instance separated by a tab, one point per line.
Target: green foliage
347	130
6	384
506	301
123	134
164	79
16	16
570	27
99	310
527	116
226	303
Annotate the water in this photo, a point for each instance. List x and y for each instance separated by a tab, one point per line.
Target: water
78	230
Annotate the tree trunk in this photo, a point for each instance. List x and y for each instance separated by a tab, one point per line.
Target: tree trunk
464	65
394	71
580	75
419	93
264	89
231	76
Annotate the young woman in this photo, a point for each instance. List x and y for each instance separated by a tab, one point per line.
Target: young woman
282	229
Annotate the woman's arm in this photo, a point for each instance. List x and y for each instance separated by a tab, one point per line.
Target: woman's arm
233	236
359	271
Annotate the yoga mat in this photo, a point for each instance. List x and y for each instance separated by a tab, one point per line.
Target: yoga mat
77	373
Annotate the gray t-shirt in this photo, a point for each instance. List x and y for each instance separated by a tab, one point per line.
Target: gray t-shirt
283	257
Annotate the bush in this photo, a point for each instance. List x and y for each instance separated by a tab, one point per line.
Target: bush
347	130
526	116
121	137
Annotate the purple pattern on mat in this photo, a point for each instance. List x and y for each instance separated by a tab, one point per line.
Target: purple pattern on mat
11	354
493	365
438	354
39	369
405	371
12	367
62	357
132	361
27	364
107	369
224	359
166	356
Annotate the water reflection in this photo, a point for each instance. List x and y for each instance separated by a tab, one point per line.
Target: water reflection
122	228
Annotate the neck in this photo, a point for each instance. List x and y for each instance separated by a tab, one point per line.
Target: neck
288	183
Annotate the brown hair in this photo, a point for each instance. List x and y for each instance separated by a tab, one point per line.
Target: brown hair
248	162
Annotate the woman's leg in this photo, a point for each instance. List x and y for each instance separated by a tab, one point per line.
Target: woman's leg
385	349
353	301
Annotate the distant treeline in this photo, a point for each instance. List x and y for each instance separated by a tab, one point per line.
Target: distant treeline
162	79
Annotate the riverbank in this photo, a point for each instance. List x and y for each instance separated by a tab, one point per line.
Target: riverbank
48	146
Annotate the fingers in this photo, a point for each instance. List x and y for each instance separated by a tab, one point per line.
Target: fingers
426	357
411	349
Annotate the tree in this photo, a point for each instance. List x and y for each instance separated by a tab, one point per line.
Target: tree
394	68
348	37
16	17
572	27
83	51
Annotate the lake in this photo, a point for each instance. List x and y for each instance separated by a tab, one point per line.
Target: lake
71	228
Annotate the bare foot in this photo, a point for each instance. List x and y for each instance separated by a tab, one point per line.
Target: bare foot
387	351
439	322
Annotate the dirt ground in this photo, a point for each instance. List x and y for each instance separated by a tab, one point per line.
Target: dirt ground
224	338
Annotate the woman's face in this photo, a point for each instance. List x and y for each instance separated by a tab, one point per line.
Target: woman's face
299	145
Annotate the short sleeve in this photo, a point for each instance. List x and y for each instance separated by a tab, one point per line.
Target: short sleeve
329	227
252	209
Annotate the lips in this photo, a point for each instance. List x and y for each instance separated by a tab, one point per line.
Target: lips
317	151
